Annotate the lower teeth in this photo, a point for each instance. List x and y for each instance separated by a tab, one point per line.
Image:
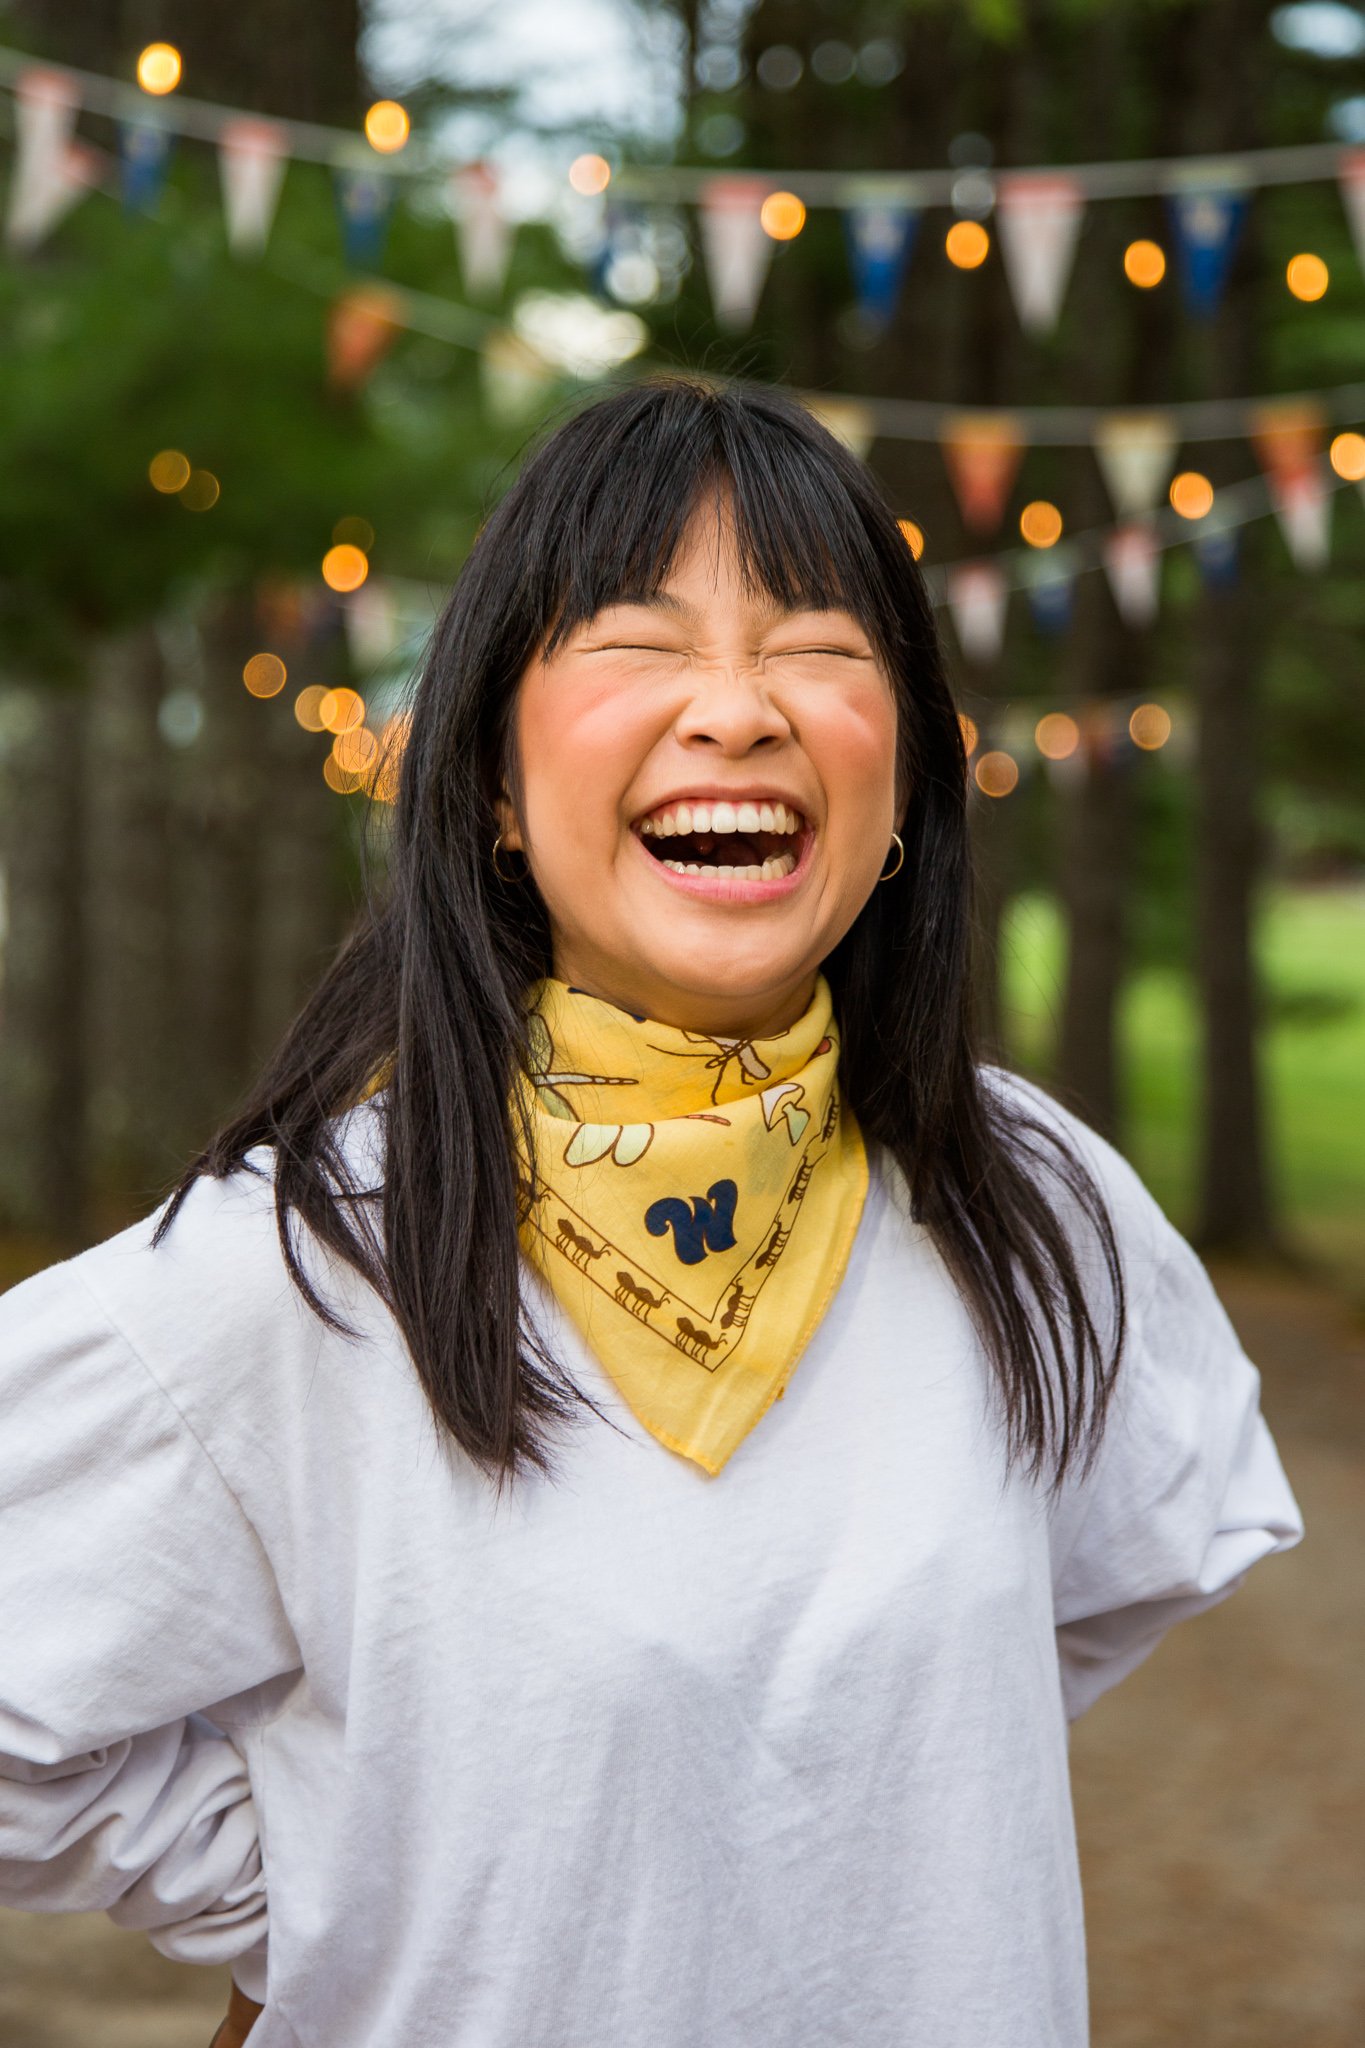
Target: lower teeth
771	871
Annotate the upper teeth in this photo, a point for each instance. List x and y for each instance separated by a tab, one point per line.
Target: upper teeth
721	818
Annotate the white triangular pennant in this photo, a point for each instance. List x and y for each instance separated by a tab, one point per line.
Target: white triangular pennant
977	598
1040	218
1132	562
1135	451
50	170
736	248
482	229
1303	506
252	155
1353	197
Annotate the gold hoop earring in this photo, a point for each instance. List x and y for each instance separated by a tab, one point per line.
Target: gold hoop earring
498	871
900	859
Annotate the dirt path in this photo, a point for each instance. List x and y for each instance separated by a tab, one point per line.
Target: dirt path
1220	1790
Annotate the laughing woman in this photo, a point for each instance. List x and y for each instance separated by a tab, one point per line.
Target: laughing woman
586	1520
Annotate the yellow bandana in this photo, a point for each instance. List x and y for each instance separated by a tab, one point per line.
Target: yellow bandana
698	1199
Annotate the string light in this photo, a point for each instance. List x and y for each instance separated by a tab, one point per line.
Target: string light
158	68
356	750
201	490
169	471
590	175
1056	736
340	709
782	216
1040	523
387	127
996	773
265	675
338	778
1191	494
967	244
970	735
1144	264
1150	727
345	566
1307	276
1347	456
308	705
914	536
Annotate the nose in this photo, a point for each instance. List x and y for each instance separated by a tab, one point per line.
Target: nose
729	708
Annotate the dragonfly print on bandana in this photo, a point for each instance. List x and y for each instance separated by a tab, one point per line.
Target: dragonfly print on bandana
623	1143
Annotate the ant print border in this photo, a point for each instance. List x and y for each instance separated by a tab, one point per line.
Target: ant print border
706	1333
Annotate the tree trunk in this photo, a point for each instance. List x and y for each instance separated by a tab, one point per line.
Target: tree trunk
43	1051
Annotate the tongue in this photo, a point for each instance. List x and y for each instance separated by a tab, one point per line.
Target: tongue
714	850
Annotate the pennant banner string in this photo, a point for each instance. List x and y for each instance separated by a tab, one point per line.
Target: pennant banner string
1294	164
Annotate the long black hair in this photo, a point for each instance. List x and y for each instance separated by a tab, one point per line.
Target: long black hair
429	986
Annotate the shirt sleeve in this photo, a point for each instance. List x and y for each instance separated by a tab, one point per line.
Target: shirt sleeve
135	1600
1187	1492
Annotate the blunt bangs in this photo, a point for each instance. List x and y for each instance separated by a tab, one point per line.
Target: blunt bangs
810	527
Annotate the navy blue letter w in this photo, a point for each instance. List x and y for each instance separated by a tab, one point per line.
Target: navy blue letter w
703	1228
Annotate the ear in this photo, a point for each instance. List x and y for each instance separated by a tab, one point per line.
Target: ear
508	826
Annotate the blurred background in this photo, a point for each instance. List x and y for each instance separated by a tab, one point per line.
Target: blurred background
285	288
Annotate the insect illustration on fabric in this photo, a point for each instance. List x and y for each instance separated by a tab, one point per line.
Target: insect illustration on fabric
728	1051
831	1117
636	1298
575	1247
737	1307
696	1343
774	1248
547	1084
705	1226
624	1143
801	1180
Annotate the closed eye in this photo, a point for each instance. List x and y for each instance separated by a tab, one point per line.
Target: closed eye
846	653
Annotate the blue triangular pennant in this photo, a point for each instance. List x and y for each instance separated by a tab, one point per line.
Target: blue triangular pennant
144	152
1206	220
880	239
1217	554
364	202
1050	581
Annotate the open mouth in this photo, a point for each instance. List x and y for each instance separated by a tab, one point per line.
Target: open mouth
755	842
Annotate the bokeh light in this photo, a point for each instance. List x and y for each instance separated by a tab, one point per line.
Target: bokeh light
967	244
265	675
200	491
1144	264
996	773
387	127
914	536
1056	736
345	566
169	471
1150	726
1347	456
356	750
1307	276
158	68
970	735
782	215
590	174
1191	494
1040	523
354	532
342	780
308	707
340	710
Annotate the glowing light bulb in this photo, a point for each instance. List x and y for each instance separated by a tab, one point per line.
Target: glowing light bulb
1347	456
590	174
387	127
1144	264
1040	523
782	216
1191	494
996	774
345	566
967	244
970	735
1307	276
158	68
169	471
914	536
1056	736
1150	726
265	675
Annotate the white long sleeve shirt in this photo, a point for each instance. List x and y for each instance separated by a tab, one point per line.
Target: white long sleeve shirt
632	1755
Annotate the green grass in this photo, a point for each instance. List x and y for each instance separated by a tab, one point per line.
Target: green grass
1311	949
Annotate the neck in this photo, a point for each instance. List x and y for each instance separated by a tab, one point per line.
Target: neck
710	1013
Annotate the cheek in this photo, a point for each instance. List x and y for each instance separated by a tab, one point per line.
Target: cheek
580	745
853	743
